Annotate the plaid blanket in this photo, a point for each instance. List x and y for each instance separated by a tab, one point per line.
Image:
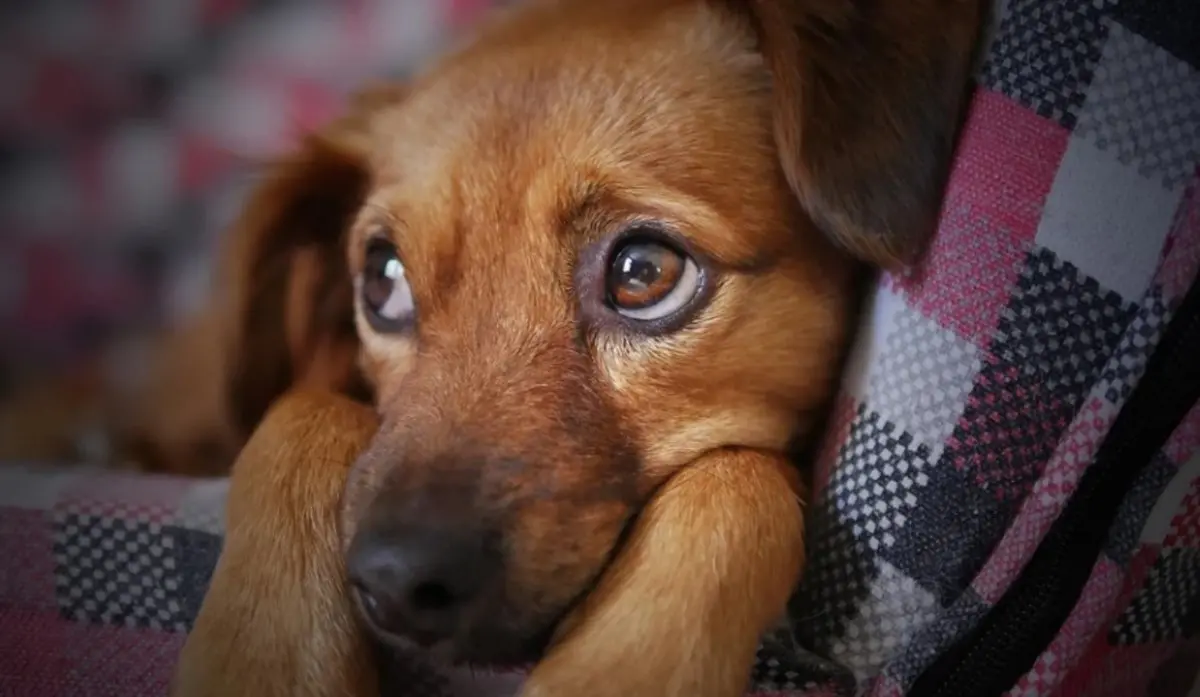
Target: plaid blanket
985	394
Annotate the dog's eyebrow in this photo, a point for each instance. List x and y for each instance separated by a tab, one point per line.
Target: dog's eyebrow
600	210
374	214
581	204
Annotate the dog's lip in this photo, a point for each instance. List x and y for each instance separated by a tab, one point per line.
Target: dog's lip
450	650
407	641
440	649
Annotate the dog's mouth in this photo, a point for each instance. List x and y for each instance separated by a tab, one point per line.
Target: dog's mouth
487	642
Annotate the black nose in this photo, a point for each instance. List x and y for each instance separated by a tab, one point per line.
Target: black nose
417	582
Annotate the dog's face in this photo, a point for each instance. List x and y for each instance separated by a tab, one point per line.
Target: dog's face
570	259
572	278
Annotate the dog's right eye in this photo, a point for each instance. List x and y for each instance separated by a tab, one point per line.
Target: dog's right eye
649	280
386	296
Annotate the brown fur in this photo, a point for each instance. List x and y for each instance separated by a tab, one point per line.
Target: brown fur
636	483
747	502
284	287
301	454
867	96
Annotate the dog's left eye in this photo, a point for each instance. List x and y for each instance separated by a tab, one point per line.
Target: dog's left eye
649	280
386	296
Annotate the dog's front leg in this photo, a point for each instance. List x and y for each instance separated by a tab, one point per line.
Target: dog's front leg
707	569
276	620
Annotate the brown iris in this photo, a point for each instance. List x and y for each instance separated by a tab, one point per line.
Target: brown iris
642	274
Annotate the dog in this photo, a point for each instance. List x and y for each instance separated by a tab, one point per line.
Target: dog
519	348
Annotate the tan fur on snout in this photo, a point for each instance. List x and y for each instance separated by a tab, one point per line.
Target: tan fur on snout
630	476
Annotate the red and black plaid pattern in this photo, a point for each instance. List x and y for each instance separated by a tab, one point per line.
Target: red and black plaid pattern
980	389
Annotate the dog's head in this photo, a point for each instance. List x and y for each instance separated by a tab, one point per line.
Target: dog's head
597	241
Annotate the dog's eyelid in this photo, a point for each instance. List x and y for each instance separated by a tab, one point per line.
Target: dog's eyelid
694	244
373	222
377	220
695	232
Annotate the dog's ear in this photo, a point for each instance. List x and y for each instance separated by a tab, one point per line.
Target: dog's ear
289	297
868	96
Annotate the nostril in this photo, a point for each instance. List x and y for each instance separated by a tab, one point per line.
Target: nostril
433	596
416	584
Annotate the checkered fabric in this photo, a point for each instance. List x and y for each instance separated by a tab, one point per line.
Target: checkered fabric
129	130
102	575
984	380
981	386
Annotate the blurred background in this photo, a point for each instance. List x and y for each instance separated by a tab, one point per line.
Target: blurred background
130	129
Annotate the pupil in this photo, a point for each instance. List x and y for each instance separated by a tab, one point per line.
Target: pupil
382	267
640	268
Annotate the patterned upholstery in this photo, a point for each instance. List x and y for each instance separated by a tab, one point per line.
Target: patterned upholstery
985	381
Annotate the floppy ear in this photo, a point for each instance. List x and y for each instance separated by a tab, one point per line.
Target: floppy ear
289	297
868	97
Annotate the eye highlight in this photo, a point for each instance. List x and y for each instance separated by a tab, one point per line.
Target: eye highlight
383	289
648	279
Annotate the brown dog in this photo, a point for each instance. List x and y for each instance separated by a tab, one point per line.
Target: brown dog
590	270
